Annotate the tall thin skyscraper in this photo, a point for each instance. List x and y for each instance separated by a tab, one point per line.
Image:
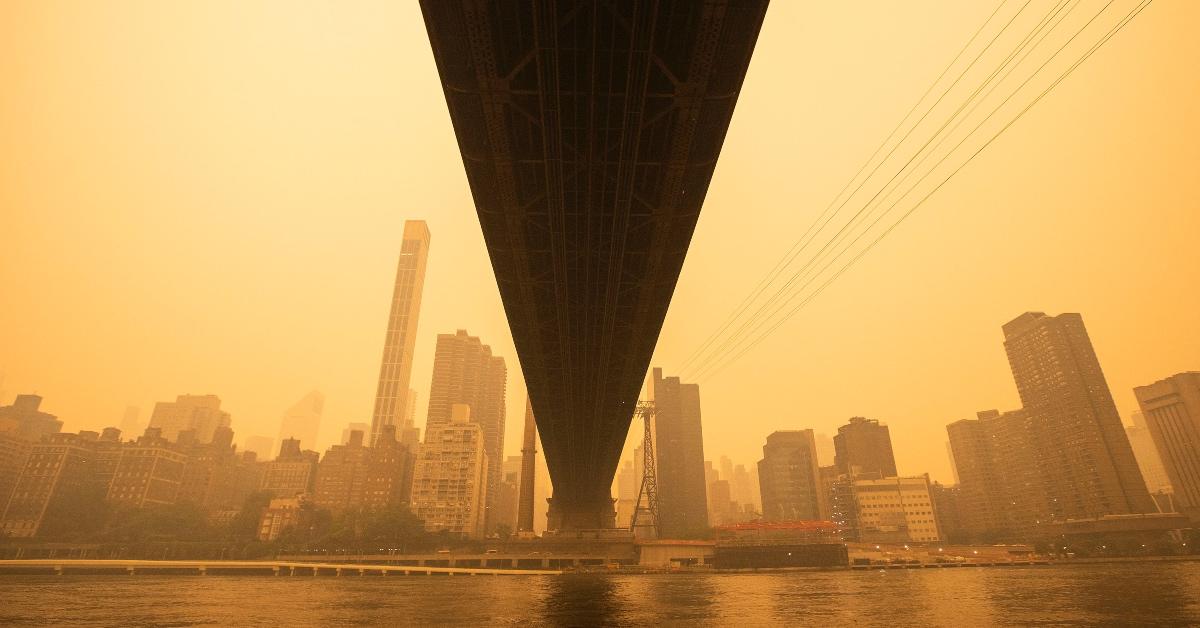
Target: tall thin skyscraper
303	420
679	451
465	372
1080	448
864	447
1172	411
395	371
528	471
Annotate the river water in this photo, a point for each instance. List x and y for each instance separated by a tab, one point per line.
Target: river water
1103	594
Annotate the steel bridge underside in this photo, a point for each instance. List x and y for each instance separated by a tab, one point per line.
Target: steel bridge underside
589	131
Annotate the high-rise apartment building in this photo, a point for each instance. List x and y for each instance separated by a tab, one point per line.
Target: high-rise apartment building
679	451
465	372
450	482
1146	453
1172	410
200	414
395	370
1080	449
302	421
789	478
864	447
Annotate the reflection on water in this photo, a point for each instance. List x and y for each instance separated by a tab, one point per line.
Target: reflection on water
1117	594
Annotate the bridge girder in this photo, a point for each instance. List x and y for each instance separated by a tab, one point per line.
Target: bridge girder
589	131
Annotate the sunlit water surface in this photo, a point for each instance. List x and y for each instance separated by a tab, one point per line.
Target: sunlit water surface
1111	594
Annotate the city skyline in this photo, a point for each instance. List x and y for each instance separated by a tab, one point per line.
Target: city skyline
342	237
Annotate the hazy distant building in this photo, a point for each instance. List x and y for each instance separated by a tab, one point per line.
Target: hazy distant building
465	372
1080	449
302	421
826	452
1000	492
263	446
131	422
1171	408
947	511
1146	453
895	510
508	495
292	472
25	420
789	478
59	468
628	484
150	471
528	480
395	370
353	427
679	453
864	447
200	414
450	482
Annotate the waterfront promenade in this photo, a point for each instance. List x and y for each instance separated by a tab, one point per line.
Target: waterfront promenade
247	567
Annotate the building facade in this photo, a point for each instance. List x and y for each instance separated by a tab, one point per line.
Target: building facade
864	447
395	370
1171	408
1080	449
895	510
466	373
450	481
789	477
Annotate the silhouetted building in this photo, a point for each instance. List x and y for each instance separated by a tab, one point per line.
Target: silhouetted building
466	372
1172	411
292	472
1146	453
395	370
200	414
25	420
789	477
864	447
450	483
302	421
679	452
1081	452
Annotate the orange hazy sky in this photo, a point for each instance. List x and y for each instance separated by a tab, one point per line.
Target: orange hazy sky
208	197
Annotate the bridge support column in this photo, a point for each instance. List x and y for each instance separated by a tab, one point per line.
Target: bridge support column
596	515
